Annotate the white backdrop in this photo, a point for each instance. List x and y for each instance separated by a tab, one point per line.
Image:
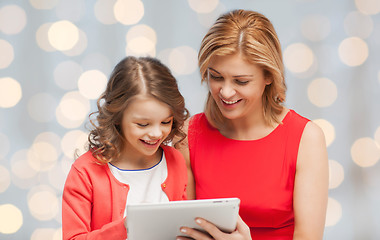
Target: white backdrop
56	56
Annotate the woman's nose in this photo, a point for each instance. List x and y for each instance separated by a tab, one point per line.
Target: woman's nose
227	91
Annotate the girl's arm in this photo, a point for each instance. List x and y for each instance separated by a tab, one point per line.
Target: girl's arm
77	202
311	185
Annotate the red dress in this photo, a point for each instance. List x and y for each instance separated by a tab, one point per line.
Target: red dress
259	172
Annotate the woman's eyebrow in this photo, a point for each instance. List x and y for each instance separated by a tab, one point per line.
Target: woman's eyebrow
244	75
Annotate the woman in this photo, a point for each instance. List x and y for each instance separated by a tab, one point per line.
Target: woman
247	144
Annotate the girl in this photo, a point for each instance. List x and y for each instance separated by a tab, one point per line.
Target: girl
128	160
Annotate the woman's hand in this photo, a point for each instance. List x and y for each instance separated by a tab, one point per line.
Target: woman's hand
242	231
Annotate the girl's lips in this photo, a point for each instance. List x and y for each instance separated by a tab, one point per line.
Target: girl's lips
150	143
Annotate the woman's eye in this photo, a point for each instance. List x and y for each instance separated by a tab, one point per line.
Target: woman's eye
241	82
215	77
142	124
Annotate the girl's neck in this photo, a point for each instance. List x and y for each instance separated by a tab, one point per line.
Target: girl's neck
134	161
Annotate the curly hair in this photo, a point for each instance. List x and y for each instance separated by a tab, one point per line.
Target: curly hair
253	35
133	76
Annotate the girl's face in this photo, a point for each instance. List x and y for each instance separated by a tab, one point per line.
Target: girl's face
145	125
236	86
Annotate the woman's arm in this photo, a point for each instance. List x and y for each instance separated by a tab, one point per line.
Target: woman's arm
183	147
311	185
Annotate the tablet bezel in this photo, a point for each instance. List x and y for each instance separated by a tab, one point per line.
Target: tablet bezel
163	220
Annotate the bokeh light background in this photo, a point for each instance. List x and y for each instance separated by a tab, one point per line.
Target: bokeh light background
56	56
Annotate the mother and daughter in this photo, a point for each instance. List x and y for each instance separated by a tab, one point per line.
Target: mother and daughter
245	144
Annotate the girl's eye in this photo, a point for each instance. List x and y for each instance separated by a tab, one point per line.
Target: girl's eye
142	125
167	122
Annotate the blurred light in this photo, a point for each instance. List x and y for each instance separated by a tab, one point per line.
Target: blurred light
7	54
10	92
353	51
72	110
92	83
128	12
369	7
63	35
66	75
43	203
79	47
4	146
365	152
21	168
41	107
13	19
336	174
377	137
96	61
5	179
74	142
328	130
203	6
51	138
334	212
207	19
141	40
11	219
359	25
315	27
298	57
57	177
322	92
104	11
72	10
183	60
43	4
58	234
66	161
42	38
43	234
42	156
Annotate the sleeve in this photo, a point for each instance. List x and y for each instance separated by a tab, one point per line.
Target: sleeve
77	202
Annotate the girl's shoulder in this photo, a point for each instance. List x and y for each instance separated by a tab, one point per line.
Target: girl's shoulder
87	161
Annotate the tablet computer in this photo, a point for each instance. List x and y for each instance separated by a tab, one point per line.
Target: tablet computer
162	221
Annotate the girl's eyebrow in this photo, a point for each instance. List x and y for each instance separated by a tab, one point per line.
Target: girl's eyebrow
236	76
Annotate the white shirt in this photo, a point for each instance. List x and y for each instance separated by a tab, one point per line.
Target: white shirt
144	184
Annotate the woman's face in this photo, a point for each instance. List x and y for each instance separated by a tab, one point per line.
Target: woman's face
145	125
236	85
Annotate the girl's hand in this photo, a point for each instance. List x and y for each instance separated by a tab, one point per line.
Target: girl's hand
242	232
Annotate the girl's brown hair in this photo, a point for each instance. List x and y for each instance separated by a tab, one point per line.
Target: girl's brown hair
252	35
133	76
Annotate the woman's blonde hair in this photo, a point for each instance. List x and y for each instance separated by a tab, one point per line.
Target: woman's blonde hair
133	76
252	35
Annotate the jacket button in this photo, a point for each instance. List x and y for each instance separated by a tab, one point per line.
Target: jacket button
164	185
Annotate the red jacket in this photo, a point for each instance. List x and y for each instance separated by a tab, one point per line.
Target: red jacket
94	201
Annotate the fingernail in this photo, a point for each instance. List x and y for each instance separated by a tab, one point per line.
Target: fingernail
198	220
183	230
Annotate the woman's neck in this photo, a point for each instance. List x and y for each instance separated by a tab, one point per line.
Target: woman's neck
251	127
